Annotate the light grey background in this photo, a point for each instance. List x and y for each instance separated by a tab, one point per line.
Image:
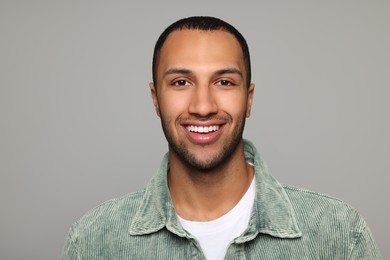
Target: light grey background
78	125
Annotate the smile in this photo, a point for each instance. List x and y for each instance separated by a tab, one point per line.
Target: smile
202	129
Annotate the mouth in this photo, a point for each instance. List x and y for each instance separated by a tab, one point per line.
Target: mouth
202	129
203	134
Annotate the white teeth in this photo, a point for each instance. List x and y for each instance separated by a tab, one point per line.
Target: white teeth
202	129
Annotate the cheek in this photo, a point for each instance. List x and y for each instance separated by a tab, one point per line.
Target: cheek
233	103
173	105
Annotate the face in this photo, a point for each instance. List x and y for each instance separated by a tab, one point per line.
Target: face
201	96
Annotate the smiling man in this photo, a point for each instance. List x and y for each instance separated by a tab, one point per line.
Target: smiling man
213	197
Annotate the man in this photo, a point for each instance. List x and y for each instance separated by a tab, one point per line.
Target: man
213	197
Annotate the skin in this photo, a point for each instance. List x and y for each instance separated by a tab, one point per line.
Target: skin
201	82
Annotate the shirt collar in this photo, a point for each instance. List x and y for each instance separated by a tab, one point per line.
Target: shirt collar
156	210
272	212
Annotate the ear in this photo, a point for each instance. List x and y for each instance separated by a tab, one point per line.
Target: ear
153	93
251	92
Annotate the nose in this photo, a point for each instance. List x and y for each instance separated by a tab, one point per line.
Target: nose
203	102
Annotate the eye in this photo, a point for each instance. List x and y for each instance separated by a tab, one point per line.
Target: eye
224	82
181	83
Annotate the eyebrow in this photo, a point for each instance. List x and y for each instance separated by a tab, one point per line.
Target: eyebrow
177	71
229	71
188	72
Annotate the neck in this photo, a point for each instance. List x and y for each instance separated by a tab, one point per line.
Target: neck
204	196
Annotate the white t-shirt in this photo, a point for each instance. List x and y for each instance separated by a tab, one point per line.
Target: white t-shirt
216	235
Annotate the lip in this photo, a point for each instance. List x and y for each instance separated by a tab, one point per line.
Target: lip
204	138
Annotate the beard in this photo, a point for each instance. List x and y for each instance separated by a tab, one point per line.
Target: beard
191	160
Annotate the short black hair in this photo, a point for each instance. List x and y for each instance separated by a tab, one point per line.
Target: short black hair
203	23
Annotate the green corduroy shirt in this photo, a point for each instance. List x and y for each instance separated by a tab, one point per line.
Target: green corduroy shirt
286	223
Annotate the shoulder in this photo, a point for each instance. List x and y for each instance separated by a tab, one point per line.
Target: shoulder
318	204
103	229
114	213
322	214
300	195
331	223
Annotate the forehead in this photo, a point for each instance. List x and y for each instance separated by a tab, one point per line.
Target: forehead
184	48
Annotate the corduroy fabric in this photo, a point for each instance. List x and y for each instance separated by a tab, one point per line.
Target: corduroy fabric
286	223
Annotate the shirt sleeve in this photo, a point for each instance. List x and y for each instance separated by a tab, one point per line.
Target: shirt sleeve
365	247
70	251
